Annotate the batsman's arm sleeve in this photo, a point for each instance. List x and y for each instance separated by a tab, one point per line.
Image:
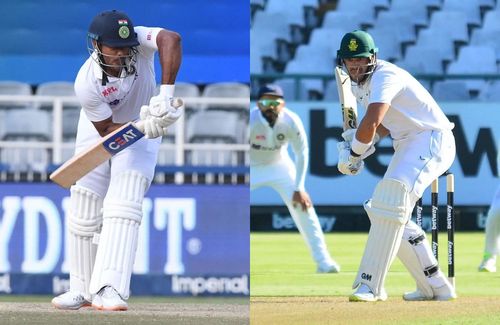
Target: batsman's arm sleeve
387	85
147	36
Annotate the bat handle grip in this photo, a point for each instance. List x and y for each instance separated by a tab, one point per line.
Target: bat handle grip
139	125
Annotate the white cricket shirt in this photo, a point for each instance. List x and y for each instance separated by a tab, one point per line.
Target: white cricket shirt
412	108
121	98
269	144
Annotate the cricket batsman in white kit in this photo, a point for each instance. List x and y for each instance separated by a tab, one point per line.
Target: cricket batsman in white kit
396	105
272	127
114	86
492	231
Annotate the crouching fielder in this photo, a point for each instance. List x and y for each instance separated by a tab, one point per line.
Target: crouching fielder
396	104
272	127
114	86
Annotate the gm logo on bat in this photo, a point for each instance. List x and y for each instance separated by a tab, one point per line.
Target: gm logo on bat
122	139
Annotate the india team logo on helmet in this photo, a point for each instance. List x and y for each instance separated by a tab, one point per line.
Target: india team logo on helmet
123	31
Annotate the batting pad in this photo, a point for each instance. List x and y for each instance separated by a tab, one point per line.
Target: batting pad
83	221
118	241
416	255
388	211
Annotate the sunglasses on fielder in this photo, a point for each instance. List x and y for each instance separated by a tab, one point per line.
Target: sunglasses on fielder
270	103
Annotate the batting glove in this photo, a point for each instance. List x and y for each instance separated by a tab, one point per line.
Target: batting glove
349	134
348	164
174	112
152	125
159	104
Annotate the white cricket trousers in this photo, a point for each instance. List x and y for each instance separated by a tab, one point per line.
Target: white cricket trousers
420	159
281	177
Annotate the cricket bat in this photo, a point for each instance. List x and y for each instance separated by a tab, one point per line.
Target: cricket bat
84	162
347	100
118	140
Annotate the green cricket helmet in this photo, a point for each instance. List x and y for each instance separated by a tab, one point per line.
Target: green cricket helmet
357	44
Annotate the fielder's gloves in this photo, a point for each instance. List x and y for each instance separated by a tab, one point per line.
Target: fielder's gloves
348	164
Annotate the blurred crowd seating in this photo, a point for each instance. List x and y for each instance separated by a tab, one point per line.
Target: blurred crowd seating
206	122
439	37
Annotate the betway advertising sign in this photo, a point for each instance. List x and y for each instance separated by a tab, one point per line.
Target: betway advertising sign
477	134
193	240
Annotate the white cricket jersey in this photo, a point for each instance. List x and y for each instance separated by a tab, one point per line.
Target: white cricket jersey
121	98
412	108
269	144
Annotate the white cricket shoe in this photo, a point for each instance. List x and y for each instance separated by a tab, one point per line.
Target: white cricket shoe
488	264
71	300
109	299
417	295
328	267
445	292
364	294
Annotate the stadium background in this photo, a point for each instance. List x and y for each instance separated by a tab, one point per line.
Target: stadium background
194	234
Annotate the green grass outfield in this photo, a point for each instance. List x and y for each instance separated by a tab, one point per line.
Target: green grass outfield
286	290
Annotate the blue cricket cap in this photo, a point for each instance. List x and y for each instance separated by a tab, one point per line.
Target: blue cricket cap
272	90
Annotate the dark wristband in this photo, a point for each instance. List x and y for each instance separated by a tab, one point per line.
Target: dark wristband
354	154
